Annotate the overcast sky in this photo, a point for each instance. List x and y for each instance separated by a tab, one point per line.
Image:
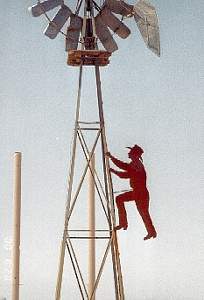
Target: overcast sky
154	102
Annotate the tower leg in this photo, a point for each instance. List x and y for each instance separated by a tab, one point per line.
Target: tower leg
60	270
119	290
70	184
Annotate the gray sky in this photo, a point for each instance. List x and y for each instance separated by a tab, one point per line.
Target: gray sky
155	102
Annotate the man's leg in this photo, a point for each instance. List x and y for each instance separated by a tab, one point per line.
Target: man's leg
143	209
122	215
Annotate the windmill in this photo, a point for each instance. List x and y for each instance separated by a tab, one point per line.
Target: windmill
89	32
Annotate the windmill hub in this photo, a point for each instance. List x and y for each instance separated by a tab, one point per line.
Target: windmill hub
88	57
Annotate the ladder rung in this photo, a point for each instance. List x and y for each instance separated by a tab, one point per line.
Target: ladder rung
88	128
87	230
89	237
83	122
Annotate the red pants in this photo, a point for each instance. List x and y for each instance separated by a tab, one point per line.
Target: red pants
141	199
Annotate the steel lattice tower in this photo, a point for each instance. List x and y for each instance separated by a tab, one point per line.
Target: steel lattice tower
105	194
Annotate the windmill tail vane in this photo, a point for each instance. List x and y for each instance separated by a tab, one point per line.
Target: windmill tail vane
99	22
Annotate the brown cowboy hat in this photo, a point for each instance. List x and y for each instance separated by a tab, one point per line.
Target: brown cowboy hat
136	150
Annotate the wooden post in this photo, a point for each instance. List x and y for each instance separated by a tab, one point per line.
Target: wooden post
91	212
16	225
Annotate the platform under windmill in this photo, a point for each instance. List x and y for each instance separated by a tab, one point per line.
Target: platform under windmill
89	221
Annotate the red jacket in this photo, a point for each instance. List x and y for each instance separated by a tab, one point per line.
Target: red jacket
134	170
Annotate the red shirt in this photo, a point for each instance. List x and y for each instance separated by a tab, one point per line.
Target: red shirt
137	175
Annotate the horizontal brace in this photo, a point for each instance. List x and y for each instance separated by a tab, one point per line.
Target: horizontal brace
80	122
89	128
89	237
87	230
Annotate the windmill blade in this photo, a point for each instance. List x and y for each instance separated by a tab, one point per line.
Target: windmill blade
104	35
119	7
58	22
114	23
42	7
147	22
73	32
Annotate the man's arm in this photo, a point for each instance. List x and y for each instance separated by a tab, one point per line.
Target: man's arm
120	174
120	164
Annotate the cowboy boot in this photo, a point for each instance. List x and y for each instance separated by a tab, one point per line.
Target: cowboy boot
120	226
151	234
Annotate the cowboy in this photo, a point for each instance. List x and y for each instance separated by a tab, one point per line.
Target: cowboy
135	171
